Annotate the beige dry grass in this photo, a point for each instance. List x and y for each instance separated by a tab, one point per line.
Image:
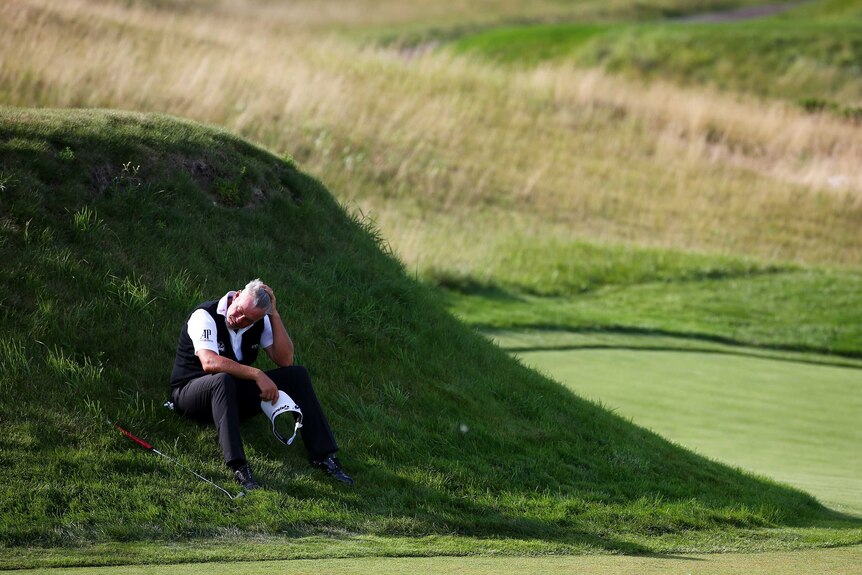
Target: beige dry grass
455	158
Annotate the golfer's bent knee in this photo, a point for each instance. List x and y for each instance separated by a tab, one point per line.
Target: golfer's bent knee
299	372
291	372
224	383
290	376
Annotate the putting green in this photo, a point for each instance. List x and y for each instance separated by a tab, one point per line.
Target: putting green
792	421
844	560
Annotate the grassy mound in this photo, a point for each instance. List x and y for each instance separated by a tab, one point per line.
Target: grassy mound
114	225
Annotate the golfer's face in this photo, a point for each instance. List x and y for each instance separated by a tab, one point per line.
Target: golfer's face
242	313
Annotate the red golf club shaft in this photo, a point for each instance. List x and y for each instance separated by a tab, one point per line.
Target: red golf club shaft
134	438
149	447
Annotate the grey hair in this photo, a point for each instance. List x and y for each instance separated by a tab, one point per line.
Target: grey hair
261	299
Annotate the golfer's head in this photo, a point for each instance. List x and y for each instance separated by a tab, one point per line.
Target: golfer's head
249	306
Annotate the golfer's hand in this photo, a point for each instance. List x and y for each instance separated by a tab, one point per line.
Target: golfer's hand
271	293
268	390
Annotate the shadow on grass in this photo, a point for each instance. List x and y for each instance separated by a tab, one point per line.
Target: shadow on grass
739	347
448	284
739	353
488	522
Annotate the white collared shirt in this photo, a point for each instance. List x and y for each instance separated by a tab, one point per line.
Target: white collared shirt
204	335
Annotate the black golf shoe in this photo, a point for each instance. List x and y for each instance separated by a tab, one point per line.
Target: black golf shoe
244	477
332	467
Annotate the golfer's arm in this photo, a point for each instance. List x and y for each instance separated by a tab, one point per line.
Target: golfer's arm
215	363
281	350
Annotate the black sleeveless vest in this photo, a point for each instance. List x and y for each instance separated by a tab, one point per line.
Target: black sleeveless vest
187	366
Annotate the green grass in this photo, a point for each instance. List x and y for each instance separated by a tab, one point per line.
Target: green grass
796	309
780	418
545	266
782	563
836	10
106	249
490	22
528	45
792	60
577	317
811	53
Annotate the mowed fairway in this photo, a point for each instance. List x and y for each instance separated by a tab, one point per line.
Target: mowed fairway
846	560
792	421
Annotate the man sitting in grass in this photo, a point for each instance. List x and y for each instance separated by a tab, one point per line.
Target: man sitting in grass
213	380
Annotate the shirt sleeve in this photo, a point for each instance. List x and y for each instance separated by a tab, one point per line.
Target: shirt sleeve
266	337
202	331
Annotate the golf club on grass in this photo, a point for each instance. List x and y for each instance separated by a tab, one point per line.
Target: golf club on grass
149	447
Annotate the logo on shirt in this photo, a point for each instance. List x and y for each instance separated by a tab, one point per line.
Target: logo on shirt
207	335
255	346
221	347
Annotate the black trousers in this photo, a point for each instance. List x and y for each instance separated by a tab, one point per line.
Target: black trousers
226	401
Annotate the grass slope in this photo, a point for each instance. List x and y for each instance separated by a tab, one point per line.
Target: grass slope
700	297
796	59
115	224
809	54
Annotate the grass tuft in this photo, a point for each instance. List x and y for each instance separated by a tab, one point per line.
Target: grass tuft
76	374
86	220
132	292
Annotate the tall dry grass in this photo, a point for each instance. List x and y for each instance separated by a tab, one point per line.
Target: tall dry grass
452	157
